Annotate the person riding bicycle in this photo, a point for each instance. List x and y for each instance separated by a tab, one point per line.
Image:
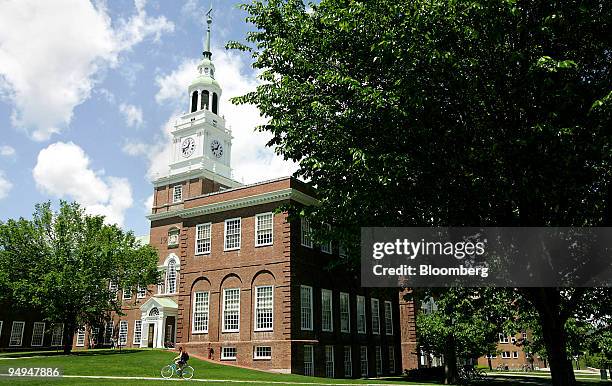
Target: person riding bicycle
182	358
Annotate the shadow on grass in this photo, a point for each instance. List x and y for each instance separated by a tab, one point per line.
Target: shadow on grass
83	353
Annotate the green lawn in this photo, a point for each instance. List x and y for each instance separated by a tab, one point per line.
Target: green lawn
147	363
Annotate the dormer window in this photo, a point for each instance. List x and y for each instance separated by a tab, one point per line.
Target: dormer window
177	194
173	237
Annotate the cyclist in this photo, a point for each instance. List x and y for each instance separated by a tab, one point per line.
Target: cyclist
182	358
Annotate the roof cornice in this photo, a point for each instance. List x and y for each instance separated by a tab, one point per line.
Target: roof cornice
237	203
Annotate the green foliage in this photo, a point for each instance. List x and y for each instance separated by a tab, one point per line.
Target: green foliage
62	262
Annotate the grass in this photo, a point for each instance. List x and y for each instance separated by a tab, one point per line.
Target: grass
147	363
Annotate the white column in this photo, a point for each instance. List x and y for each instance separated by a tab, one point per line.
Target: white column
160	332
199	100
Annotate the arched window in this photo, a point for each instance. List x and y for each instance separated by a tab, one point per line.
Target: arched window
154	312
204	104
215	103
194	101
171	277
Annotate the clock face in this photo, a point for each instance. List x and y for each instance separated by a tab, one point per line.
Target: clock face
216	148
188	147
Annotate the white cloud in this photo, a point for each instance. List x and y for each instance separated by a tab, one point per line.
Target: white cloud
252	161
63	171
5	185
148	205
7	151
53	52
132	114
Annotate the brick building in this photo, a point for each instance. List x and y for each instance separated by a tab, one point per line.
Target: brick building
242	284
512	354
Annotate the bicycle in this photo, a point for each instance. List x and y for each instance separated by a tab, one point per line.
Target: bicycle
470	373
168	371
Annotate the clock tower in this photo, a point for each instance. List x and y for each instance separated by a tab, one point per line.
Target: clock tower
201	144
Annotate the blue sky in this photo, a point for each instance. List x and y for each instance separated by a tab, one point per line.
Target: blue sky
89	91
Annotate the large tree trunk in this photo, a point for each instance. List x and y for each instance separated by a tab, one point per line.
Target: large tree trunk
69	330
450	361
547	302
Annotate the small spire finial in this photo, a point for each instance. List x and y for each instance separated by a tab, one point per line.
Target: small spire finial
207	52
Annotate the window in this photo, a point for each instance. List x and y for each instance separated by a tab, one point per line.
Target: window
123	332
503	338
327	322
262	352
202	239
80	338
173	237
263	229
492	356
232	234
113	288
171	277
264	308
108	332
16	334
228	353
0	327
327	246
93	336
329	361
142	292
177	194
515	354
137	331
388	318
361	315
308	360
57	336
505	354
375	316
200	312
127	294
379	367
38	333
391	360
154	312
345	315
348	362
231	310
364	361
341	250
306	238
306	306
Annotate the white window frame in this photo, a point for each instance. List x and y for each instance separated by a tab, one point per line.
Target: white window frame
141	293
329	361
257	305
309	360
80	337
375	315
177	193
503	338
257	229
345	312
205	312
310	309
137	332
305	233
348	362
391	360
388	317
109	332
225	329
505	354
364	370
204	242
379	364
13	335
329	313
327	246
167	281
127	292
362	327
54	335
225	234
257	355
122	338
515	354
114	288
41	335
226	350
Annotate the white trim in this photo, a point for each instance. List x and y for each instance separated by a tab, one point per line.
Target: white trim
256	356
225	357
329	247
13	330
174	195
362	350
365	319
127	332
223	329
348	350
134	341
225	248
193	314
347	296
310	360
129	292
42	334
305	233
172	179
311	308
255	309
238	203
331	310
56	328
1	323
390	304
209	224
257	216
328	349
375	315
139	290
80	332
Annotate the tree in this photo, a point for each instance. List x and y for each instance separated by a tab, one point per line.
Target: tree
444	113
62	263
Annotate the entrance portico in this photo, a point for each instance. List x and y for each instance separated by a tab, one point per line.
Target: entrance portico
158	322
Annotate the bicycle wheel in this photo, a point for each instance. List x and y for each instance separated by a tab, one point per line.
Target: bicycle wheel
167	371
187	372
